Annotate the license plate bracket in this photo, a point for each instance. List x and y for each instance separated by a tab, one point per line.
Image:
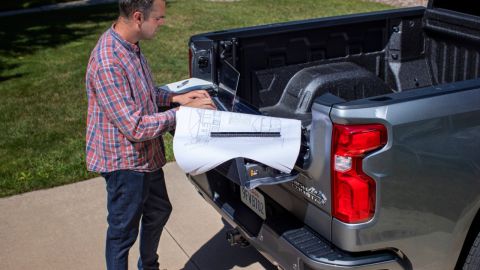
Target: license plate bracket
254	200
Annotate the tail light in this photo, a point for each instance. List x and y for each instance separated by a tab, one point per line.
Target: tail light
190	56
353	191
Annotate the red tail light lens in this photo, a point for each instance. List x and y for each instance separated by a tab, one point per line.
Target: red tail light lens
353	191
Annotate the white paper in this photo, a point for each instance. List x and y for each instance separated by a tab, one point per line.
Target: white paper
197	152
187	85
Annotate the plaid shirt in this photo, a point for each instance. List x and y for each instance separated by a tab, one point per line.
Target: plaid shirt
124	127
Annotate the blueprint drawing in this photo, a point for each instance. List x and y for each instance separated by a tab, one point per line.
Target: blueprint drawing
197	151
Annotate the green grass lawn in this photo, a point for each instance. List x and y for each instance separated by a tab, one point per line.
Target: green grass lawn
43	58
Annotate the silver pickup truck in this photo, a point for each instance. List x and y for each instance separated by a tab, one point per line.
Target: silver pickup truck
388	175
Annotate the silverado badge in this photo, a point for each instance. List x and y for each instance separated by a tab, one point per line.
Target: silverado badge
310	192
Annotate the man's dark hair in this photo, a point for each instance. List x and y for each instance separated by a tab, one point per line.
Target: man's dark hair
128	7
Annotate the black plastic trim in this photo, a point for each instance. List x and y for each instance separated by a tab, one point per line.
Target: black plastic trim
320	250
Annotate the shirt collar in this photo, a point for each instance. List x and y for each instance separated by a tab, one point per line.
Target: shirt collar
129	46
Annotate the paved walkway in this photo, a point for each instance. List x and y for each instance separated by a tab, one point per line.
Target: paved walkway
402	3
64	228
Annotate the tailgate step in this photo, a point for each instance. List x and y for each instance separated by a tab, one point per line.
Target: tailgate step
320	250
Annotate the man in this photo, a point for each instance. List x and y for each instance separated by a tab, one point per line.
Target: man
124	132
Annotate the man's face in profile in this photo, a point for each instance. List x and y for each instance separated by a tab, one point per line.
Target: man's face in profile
155	19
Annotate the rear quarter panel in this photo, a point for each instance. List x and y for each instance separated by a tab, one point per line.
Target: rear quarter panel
428	175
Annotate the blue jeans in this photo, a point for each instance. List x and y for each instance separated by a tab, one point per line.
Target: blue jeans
135	197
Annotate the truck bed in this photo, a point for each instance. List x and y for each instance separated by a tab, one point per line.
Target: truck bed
405	49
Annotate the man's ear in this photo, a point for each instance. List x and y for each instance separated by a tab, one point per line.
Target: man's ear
137	17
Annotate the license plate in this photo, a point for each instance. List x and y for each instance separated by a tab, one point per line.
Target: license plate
254	200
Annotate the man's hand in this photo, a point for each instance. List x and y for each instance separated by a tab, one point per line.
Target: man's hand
196	99
183	99
202	103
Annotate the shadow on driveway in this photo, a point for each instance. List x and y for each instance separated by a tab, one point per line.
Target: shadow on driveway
216	254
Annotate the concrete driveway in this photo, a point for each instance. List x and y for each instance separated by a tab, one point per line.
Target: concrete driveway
64	228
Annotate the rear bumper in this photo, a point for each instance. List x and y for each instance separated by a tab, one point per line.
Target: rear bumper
286	243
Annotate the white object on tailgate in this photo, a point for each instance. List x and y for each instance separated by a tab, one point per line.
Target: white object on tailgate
196	151
187	85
